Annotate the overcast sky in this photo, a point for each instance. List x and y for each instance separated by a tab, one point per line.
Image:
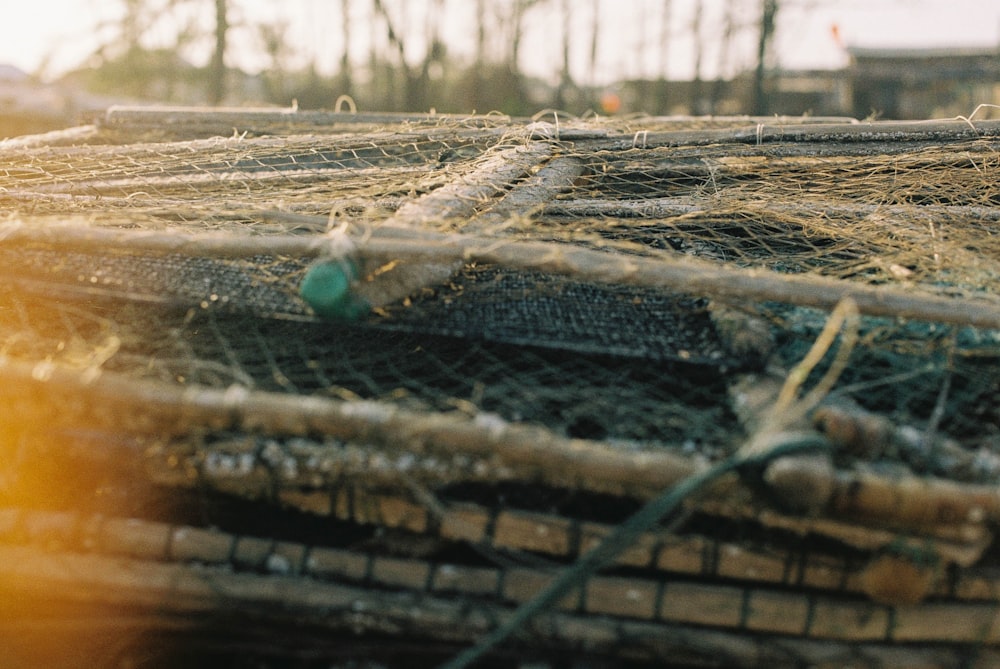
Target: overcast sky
52	36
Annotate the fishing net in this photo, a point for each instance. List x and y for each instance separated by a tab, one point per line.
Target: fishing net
308	389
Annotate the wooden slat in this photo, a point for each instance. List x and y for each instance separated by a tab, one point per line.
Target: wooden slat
857	620
669	272
56	396
737	607
167	590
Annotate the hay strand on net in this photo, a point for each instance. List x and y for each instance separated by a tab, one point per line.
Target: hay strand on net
787	409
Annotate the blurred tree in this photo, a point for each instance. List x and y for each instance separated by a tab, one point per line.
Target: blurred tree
519	8
412	66
311	89
274	36
723	63
665	39
479	65
697	104
515	23
217	67
134	23
565	79
595	29
411	93
769	10
346	83
127	65
434	65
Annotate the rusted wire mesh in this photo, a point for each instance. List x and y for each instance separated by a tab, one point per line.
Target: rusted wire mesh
531	330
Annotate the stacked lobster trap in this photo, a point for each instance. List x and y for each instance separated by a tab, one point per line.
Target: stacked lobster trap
304	389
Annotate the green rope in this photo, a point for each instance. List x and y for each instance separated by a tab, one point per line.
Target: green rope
623	536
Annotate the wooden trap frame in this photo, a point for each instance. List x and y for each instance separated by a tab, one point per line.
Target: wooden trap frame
719	392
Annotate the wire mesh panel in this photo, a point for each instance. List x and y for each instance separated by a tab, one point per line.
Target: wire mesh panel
314	390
